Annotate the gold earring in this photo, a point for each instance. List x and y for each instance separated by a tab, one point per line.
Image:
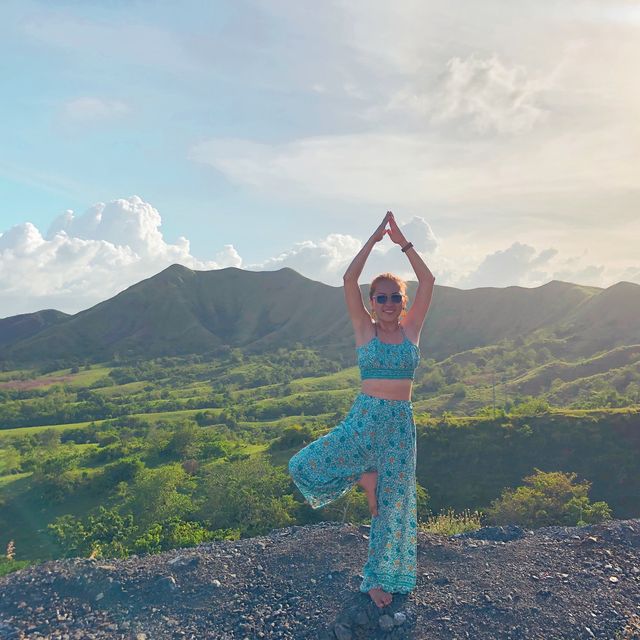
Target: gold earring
373	314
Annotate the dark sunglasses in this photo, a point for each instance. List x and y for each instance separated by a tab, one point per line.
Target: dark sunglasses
381	298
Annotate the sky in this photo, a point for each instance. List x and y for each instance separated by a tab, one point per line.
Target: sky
268	133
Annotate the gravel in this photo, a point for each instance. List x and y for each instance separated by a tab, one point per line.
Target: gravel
302	582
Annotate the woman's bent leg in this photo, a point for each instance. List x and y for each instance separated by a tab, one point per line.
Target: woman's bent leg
328	467
392	562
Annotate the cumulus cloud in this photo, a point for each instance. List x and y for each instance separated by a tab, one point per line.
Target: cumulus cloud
421	234
516	265
319	260
574	269
327	259
86	259
631	274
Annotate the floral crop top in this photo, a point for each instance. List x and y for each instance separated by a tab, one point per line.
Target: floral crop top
378	359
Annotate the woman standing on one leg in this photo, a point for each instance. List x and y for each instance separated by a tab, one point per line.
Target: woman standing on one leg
375	445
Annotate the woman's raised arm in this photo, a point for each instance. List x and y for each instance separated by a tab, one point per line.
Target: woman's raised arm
358	313
417	313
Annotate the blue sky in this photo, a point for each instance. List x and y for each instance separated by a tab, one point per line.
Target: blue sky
263	134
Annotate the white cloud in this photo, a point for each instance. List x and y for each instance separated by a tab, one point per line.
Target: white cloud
631	274
489	94
418	171
90	109
474	94
323	260
89	258
516	265
326	260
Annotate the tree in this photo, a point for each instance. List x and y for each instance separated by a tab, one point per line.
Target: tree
292	437
250	495
105	533
549	498
9	460
184	442
159	494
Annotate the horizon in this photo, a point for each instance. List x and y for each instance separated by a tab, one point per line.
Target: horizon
257	135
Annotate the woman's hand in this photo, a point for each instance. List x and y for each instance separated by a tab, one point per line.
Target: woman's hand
394	232
379	233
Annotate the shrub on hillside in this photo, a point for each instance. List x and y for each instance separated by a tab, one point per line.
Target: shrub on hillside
549	498
530	406
292	437
249	495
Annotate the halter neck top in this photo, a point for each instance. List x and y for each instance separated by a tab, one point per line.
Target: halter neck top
386	360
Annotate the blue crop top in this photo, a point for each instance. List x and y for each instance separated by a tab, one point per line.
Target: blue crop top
386	360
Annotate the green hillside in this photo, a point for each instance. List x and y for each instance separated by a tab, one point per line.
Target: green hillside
180	311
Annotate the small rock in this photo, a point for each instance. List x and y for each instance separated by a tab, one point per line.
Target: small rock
399	618
361	618
386	622
342	631
166	583
182	561
613	579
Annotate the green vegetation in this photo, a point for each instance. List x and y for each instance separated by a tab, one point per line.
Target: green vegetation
548	499
449	523
8	563
143	456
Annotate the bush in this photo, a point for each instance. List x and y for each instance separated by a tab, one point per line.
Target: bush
175	533
292	437
249	495
449	523
530	407
104	534
550	498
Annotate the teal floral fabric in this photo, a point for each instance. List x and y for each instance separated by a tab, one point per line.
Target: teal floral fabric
378	359
377	434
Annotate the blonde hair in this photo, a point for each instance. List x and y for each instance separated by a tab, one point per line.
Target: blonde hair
402	285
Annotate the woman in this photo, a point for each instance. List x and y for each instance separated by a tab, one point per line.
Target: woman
375	445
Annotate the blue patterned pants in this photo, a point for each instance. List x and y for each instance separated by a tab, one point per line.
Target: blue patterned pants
377	434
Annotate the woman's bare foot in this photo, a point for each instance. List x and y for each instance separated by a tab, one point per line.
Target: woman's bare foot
368	481
380	597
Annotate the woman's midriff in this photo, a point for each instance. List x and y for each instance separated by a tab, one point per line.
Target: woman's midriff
388	389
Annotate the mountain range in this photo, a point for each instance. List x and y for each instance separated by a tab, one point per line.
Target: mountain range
180	311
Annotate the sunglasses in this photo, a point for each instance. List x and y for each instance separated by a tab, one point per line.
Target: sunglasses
381	298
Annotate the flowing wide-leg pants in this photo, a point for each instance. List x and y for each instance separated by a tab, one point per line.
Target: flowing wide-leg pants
377	434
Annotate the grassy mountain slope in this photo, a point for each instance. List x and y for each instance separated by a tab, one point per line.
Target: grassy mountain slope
23	326
180	311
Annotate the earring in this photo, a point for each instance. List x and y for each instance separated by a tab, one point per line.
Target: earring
373	314
403	313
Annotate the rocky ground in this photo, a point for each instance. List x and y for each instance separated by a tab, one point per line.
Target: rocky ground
302	582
